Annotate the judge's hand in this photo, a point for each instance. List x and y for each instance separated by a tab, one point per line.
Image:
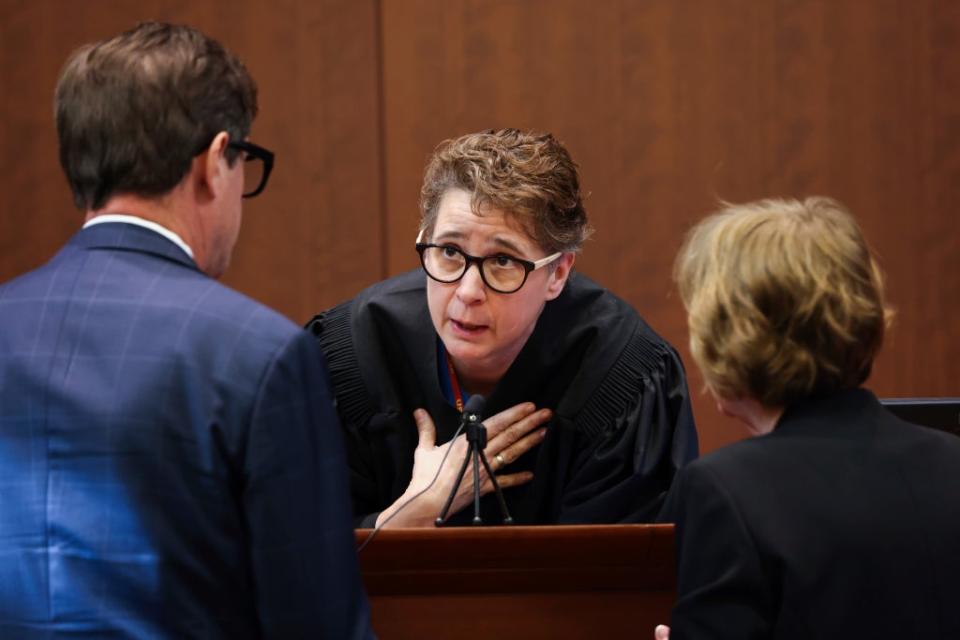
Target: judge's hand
662	632
510	433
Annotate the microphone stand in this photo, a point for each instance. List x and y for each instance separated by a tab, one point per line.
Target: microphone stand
476	434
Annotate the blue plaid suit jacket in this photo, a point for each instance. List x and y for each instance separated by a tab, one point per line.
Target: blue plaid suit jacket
170	462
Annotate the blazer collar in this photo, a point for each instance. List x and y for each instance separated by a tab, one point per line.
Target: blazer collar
831	412
120	236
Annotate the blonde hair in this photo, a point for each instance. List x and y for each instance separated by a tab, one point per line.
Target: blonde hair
527	175
783	299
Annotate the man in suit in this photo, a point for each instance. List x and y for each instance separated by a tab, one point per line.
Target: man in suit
170	463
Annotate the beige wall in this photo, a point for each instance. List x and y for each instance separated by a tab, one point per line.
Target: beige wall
666	105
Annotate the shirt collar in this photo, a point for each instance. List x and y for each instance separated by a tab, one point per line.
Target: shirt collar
146	224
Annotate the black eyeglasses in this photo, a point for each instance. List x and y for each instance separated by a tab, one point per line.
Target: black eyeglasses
257	165
502	273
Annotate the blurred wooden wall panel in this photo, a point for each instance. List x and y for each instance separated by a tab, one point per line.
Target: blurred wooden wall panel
315	238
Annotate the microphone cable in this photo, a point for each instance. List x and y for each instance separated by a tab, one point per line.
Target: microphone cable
417	494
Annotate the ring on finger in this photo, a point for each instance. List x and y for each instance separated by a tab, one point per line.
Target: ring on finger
501	461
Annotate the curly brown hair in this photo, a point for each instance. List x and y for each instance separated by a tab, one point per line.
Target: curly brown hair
527	175
784	300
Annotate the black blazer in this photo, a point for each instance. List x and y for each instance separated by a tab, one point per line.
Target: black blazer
844	522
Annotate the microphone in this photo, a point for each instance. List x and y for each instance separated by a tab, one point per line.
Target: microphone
473	410
476	434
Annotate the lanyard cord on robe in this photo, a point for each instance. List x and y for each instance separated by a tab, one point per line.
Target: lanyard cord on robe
454	384
450	385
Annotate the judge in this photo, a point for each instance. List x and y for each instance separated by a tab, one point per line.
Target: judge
589	415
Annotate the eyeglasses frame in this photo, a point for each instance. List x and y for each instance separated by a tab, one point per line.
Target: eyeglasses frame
528	265
255	151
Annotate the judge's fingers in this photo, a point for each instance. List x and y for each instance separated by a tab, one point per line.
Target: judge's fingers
465	490
662	632
518	448
426	432
507	481
501	421
517	430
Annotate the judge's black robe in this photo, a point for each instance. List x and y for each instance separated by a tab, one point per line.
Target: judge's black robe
622	422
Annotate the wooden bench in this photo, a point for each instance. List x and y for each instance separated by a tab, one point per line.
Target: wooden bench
510	582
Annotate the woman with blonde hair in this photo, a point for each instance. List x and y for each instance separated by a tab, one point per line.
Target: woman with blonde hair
838	519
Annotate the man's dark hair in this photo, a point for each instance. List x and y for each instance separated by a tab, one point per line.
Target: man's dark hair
133	111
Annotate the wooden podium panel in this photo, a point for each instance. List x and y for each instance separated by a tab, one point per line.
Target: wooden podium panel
519	582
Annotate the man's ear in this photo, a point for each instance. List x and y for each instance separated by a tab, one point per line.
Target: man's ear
211	166
561	271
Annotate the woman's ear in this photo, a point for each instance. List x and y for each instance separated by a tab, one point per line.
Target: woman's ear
727	408
560	272
758	418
